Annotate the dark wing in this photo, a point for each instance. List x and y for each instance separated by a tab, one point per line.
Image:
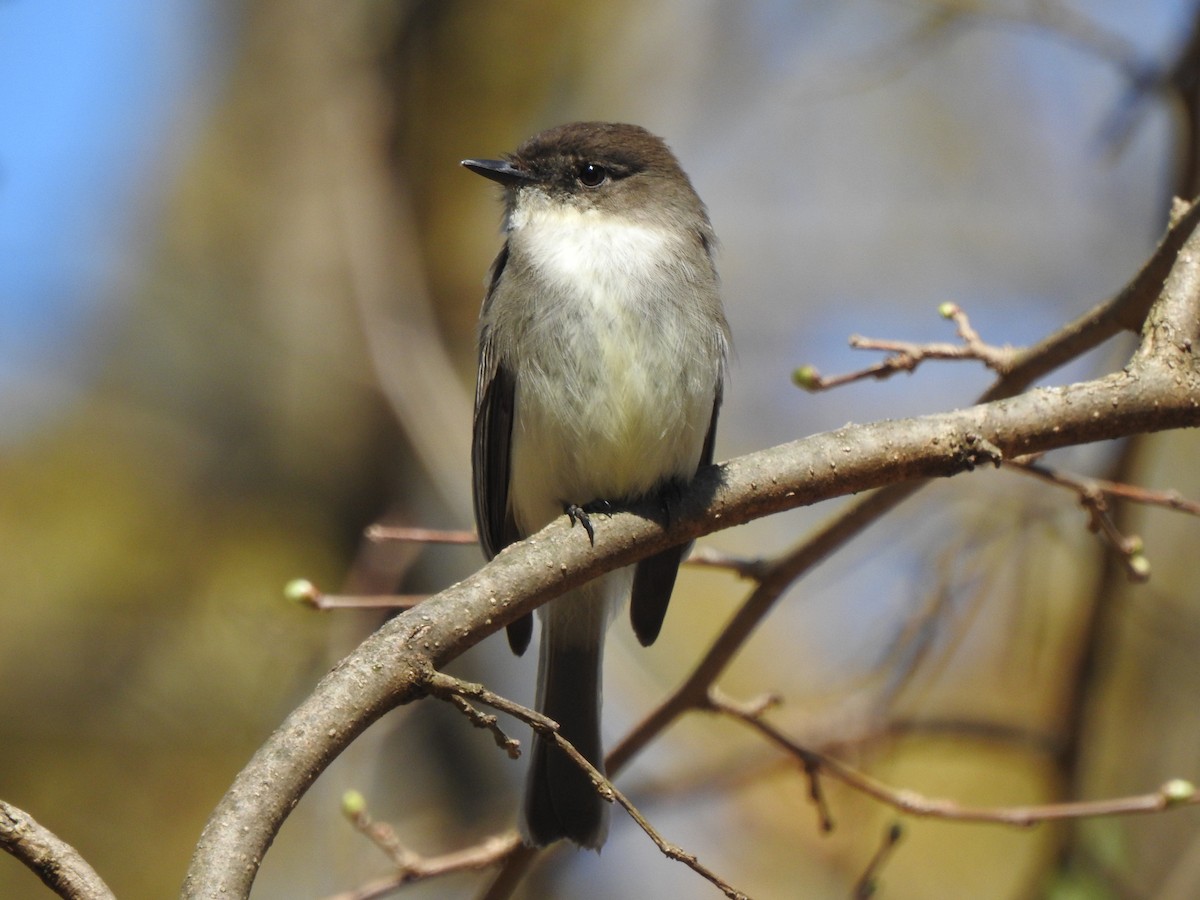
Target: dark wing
654	577
491	441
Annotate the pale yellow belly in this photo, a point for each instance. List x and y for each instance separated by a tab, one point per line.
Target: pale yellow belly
629	422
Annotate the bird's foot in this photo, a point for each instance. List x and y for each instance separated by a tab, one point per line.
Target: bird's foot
582	515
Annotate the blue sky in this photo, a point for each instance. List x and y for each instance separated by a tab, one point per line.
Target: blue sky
92	94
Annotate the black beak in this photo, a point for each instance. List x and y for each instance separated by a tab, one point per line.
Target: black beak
498	170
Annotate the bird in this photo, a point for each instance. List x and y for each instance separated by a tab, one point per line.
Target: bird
602	351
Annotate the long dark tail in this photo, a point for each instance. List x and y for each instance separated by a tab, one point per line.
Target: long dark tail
560	799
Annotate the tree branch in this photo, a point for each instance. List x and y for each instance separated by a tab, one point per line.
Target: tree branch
52	859
1159	390
1126	310
393	665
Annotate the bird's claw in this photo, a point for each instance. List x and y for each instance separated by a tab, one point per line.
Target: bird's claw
578	514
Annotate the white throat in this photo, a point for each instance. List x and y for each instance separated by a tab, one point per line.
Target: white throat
578	249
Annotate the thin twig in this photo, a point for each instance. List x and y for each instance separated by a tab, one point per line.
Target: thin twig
414	535
752	567
869	881
1174	793
671	851
782	573
484	855
490	723
308	594
1168	499
381	834
411	867
326	602
1093	495
442	685
906	356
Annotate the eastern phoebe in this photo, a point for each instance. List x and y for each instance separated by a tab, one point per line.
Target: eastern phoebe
602	347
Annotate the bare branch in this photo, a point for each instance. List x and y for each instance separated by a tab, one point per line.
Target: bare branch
867	883
753	568
306	593
675	852
1158	390
52	859
906	356
414	535
1125	311
411	867
381	834
1168	499
447	686
482	856
1172	794
1093	495
454	695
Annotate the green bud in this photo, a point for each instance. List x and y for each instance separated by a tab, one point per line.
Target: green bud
354	804
300	590
1178	790
1139	567
806	377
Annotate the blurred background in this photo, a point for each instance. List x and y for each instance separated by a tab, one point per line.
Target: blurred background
239	274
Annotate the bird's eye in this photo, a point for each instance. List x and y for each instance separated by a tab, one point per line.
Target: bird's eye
592	175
